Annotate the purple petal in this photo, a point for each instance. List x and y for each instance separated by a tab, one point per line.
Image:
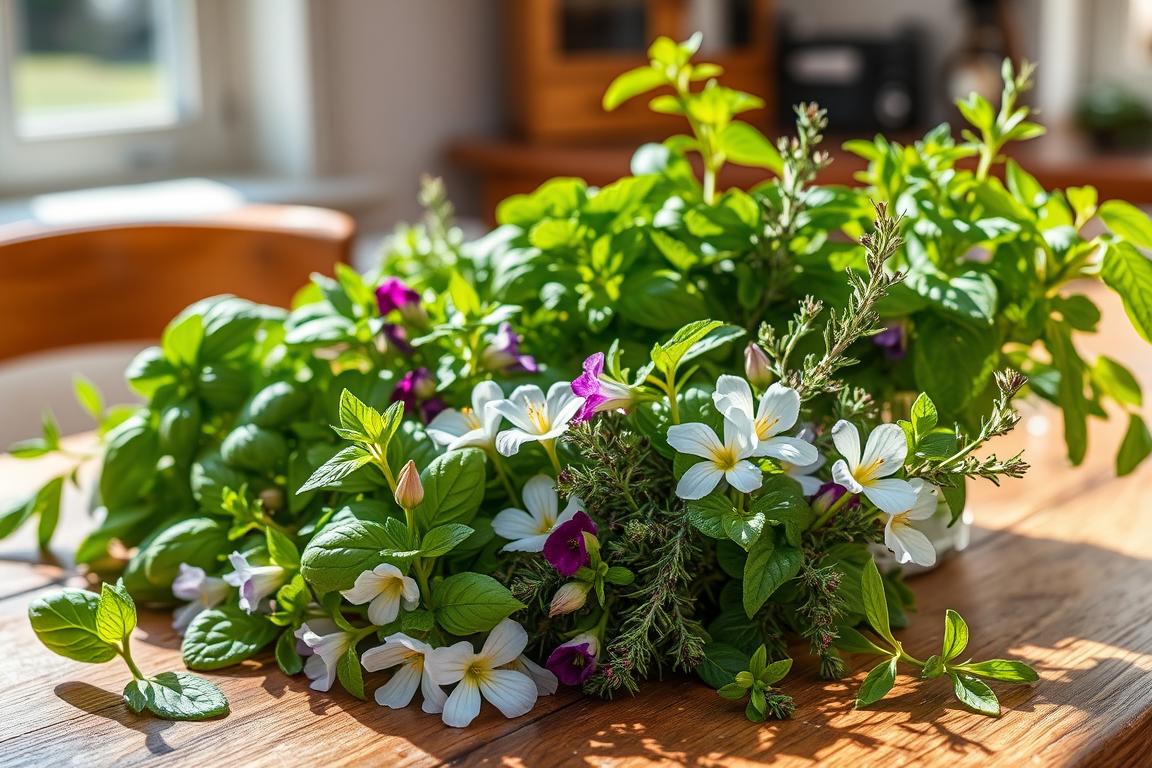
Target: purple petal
572	664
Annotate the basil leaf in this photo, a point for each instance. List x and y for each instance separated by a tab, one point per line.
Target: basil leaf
331	472
443	539
975	694
877	684
875	603
453	488
1129	273
721	664
767	568
1004	670
466	603
1136	446
180	696
66	623
221	637
115	613
955	635
338	554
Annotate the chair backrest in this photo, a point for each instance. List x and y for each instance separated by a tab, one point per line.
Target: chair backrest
64	287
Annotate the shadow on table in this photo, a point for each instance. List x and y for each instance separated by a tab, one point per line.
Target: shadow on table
97	701
1028	598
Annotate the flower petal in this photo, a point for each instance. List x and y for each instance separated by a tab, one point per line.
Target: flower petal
699	481
509	441
513	693
888	447
446	664
694	439
384	608
733	393
809	484
514	524
505	642
483	393
890	495
367	585
384	656
790	449
846	438
462	705
780	407
744	477
433	694
397	693
842	476
540	499
927	499
546	682
563	403
320	672
448	425
909	544
527	544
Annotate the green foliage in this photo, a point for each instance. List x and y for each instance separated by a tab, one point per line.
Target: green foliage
465	603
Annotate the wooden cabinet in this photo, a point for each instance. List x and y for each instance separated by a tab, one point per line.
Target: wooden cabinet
564	53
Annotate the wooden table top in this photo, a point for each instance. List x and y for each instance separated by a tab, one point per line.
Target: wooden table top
1059	574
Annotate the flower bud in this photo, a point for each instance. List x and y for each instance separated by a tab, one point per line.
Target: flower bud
757	367
570	597
272	499
409	491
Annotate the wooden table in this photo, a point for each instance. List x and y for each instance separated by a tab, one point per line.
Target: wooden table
1059	574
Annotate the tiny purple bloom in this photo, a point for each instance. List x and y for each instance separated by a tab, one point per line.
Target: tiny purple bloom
565	548
395	337
431	408
587	386
829	494
892	341
394	293
503	353
573	662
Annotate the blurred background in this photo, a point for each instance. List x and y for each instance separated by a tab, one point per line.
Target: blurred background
126	112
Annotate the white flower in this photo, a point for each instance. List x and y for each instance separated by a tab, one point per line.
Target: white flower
411	656
546	682
511	692
474	427
202	590
535	417
529	530
804	473
907	543
256	582
725	461
384	588
326	649
777	411
885	453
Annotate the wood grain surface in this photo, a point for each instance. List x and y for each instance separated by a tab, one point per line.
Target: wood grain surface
1059	574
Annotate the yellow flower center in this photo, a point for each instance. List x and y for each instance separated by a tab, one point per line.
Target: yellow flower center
900	520
865	473
724	458
478	671
471	418
538	417
415	658
545	525
764	427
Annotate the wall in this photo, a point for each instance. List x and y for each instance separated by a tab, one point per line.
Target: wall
400	79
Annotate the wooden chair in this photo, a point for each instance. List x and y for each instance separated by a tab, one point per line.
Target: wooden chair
76	286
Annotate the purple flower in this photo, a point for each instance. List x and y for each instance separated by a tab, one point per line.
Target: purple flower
565	548
829	494
394	293
503	353
574	662
892	340
417	390
394	337
599	394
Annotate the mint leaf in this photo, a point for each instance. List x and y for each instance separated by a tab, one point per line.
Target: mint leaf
775	672
878	683
179	696
358	419
924	416
338	554
467	603
443	539
975	694
344	463
955	636
767	568
221	637
66	623
1004	670
282	549
453	488
115	613
850	640
875	603
631	83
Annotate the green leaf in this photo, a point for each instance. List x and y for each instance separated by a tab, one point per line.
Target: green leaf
1127	221
467	603
953	362
1071	388
130	456
924	416
342	551
933	668
619	576
632	83
975	694
759	661
775	672
136	695
115	613
745	145
223	636
875	603
282	549
1117	382
1136	446
732	692
1004	670
721	664
331	472
971	296
287	658
65	622
359	419
453	488
443	539
667	356
13	514
464	296
878	683
179	696
349	673
46	505
1129	273
781	502
181	340
660	299
89	397
955	635
851	640
767	568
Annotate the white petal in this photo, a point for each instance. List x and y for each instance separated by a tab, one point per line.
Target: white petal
448	425
779	407
546	682
513	693
744	477
843	477
890	494
740	434
477	438
182	616
809	485
699	481
462	705
846	438
888	447
410	593
733	393
384	608
527	544
790	449
433	694
694	439
563	403
483	393
927	498
490	421
540	498
909	544
384	656
514	524
446	664
505	642
397	693
367	585
516	411
509	441
189	582
320	672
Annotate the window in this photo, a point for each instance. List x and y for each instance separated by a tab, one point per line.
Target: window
103	91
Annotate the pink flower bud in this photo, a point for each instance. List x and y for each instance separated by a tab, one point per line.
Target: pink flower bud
409	490
570	597
756	366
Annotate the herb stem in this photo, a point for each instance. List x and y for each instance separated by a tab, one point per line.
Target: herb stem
502	473
126	654
549	447
835	506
